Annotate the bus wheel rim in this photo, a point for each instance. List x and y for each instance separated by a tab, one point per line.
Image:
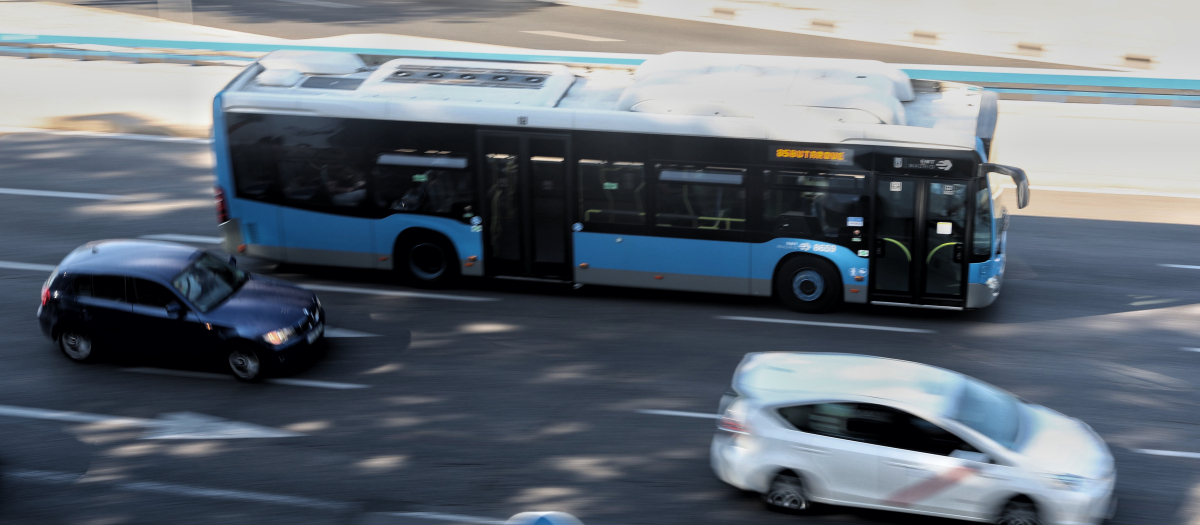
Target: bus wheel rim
427	261
808	285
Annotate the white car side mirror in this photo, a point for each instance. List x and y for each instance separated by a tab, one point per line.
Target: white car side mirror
977	457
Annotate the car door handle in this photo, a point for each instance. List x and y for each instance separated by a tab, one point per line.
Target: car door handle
810	449
902	465
989	475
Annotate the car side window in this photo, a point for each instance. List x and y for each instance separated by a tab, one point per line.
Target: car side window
910	432
109	287
149	293
862	422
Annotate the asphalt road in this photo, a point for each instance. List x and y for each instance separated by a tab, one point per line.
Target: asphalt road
485	409
504	22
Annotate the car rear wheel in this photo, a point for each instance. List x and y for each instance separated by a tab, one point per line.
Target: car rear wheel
808	284
1018	512
77	346
246	365
787	494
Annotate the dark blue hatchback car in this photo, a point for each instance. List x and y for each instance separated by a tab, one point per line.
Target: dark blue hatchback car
166	300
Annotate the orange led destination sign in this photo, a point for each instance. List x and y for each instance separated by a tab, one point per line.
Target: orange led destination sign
839	156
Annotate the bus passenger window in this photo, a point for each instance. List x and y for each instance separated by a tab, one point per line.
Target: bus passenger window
346	185
814	215
611	192
708	199
435	185
822	206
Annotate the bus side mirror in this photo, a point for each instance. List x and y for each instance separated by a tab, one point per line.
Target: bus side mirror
1018	177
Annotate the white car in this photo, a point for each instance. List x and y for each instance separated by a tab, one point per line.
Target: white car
888	434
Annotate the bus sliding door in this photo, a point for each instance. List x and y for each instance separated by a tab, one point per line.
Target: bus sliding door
920	235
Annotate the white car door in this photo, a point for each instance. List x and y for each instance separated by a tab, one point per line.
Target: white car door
929	469
842	443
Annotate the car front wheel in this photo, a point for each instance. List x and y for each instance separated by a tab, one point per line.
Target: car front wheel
246	364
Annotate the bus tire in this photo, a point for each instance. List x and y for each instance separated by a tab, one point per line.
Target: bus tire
808	284
426	260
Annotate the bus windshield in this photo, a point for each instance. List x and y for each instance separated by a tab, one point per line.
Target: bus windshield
208	281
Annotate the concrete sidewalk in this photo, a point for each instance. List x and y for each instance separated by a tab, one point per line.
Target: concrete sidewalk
1154	35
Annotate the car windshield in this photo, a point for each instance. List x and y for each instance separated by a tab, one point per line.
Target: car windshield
208	281
990	412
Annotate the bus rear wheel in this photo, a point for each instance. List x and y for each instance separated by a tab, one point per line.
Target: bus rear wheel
426	261
808	284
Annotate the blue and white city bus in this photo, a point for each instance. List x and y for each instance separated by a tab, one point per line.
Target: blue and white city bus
819	181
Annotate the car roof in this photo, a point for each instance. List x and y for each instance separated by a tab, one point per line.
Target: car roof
805	376
130	257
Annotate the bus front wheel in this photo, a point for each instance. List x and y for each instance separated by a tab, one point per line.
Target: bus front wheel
426	261
808	284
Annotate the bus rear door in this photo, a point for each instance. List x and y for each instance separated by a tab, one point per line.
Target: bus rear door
920	235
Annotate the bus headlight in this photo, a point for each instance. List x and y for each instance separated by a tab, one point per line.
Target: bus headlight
280	336
993	284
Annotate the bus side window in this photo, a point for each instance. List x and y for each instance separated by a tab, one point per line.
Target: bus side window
821	209
429	190
612	192
707	199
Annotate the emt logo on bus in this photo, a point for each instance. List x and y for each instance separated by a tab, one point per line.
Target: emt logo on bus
837	156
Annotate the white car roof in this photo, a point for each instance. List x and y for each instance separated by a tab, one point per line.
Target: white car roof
801	376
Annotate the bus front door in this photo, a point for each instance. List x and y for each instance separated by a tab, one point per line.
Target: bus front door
920	231
525	226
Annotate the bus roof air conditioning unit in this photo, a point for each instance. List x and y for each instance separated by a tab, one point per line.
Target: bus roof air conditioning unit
313	62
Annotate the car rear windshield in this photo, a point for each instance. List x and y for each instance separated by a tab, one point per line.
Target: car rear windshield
208	281
990	412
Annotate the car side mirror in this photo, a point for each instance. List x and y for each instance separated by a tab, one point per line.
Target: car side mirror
175	310
977	457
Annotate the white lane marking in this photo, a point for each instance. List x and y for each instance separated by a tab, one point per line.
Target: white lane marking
66	478
9	265
320	3
1184	266
573	36
679	414
278	381
177	425
1186	349
316	384
44	475
1169	453
183	238
343	332
236	495
448	517
62	194
834	325
394	293
99	135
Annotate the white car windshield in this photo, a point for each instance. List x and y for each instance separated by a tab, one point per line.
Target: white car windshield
990	412
208	281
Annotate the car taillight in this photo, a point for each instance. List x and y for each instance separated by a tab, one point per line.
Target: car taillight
222	208
45	294
736	426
